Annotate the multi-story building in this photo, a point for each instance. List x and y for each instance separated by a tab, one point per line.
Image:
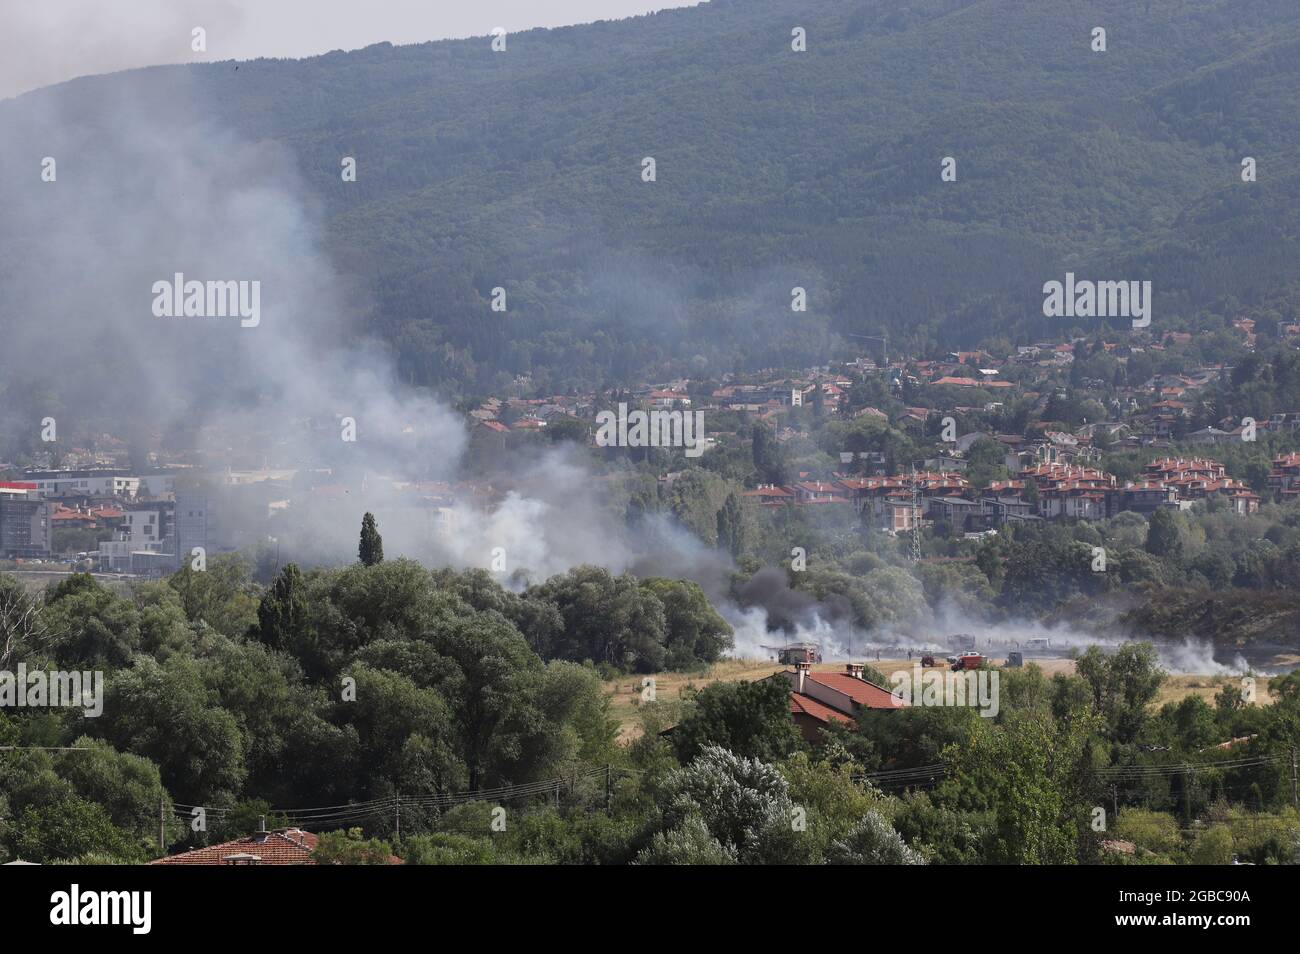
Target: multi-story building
141	541
98	483
1146	496
24	522
1284	478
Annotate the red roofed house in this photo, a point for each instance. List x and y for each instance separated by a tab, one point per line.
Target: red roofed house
819	698
769	495
285	846
816	491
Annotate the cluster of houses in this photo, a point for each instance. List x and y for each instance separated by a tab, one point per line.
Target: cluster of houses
1041	491
1152	413
136	529
146	525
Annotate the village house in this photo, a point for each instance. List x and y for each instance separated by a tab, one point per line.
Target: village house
769	495
1284	478
818	699
284	846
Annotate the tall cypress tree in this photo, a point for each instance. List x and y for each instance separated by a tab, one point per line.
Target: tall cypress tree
1162	536
371	550
283	609
731	527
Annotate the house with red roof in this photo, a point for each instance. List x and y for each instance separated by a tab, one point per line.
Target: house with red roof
769	495
817	491
284	846
818	699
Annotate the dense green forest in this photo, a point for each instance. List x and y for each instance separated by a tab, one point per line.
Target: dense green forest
353	687
774	168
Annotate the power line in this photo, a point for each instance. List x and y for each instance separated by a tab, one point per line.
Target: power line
380	806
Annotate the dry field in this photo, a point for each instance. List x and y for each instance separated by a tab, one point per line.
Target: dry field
626	692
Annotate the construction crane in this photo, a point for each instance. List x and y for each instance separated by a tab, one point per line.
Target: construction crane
884	345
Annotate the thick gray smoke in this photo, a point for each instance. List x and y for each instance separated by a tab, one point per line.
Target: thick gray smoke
148	190
143	187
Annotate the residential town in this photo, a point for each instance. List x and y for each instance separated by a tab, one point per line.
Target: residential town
917	452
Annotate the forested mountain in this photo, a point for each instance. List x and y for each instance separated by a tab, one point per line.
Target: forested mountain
776	168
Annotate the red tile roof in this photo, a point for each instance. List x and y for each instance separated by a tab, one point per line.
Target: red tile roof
291	846
287	846
767	491
806	705
859	690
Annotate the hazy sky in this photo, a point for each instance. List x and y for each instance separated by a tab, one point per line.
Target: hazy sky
49	41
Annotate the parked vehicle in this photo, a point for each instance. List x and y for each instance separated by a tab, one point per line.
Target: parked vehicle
1015	660
792	653
967	661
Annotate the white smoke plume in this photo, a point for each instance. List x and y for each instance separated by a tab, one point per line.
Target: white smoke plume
147	187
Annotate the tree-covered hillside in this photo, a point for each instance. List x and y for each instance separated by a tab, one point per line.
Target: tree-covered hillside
776	168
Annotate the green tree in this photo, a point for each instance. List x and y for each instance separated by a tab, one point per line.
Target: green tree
985	462
371	550
606	618
350	847
743	804
1162	537
1213	846
1031	773
283	609
872	841
1156	832
443	848
750	719
731	527
695	633
222	595
1121	686
769	458
165	714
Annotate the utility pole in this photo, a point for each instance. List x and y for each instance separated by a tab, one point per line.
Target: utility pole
916	517
1295	803
162	826
399	817
609	784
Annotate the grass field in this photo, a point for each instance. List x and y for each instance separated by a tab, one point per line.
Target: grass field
626	692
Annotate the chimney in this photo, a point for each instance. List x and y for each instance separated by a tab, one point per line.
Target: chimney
854	669
801	675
